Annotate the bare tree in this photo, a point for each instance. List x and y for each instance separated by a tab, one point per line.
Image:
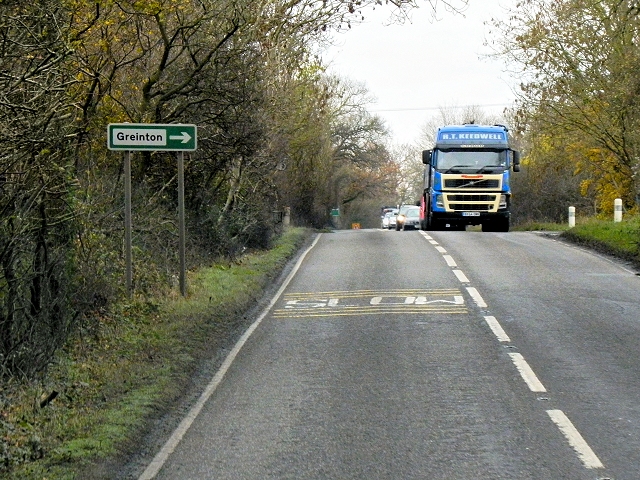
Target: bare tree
36	213
452	115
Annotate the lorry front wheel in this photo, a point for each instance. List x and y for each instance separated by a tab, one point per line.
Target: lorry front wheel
432	224
503	225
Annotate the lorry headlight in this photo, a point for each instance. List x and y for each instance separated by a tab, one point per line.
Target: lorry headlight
503	201
439	201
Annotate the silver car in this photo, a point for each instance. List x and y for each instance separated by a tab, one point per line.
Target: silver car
392	220
408	218
386	219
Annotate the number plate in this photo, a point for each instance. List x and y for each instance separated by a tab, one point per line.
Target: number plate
470	214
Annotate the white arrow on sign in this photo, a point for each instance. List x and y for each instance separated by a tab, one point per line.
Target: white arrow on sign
184	136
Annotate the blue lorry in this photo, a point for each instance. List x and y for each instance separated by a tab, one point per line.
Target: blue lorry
466	178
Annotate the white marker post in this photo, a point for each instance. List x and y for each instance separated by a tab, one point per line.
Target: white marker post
572	217
617	210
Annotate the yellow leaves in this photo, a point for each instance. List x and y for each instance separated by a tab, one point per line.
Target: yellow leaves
148	7
597	173
608	178
585	186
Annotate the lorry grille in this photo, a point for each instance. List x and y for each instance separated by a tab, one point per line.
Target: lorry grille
464	182
474	207
471	202
471	198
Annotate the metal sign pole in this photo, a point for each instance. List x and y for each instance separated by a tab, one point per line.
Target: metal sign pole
153	137
127	223
181	225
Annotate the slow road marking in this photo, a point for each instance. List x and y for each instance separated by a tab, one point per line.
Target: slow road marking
370	302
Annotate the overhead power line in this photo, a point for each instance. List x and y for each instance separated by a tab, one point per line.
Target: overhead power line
407	109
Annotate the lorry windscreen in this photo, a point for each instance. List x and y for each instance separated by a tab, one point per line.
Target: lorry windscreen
470	160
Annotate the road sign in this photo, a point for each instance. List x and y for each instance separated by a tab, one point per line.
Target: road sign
151	136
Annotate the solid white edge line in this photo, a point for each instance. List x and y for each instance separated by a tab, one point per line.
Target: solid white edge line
526	372
476	297
461	276
161	457
497	329
582	448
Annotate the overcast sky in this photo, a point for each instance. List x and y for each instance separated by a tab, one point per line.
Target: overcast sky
415	68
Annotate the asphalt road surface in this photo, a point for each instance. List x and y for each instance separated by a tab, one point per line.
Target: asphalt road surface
447	355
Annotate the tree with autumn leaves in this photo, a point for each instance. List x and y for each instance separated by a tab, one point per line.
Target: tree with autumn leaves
578	108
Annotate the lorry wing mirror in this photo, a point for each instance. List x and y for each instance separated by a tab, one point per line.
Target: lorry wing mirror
426	157
516	161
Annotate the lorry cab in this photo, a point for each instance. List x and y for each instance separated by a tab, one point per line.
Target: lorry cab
467	178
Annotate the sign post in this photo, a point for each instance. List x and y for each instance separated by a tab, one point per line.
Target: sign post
128	137
181	226
127	223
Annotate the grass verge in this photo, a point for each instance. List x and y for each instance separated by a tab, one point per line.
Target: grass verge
620	239
97	398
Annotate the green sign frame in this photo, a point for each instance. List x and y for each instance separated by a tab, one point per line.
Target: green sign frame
152	137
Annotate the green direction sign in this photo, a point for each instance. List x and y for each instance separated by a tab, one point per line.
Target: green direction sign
151	136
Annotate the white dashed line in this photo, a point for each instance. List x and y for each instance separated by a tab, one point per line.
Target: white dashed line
576	441
450	261
461	276
582	448
526	372
497	329
476	297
